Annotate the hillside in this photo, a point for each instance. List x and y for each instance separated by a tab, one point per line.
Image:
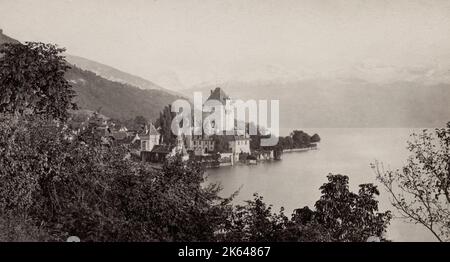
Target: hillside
115	99
6	39
347	103
111	73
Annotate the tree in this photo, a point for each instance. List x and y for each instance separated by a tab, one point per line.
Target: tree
340	216
315	138
51	181
221	143
348	216
164	122
253	222
32	80
420	191
286	142
300	139
303	227
140	122
255	139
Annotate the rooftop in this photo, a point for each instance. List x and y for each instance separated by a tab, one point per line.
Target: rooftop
218	94
152	130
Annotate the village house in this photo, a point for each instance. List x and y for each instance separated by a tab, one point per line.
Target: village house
149	138
160	152
239	145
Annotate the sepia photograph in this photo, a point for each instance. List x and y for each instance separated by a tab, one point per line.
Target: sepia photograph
225	128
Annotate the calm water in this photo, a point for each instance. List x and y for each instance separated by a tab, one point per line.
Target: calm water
294	182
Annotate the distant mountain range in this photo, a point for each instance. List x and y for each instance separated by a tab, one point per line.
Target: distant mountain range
114	74
315	102
116	100
347	102
117	94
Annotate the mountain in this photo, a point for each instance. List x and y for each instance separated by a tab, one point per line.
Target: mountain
347	102
6	39
113	74
116	99
168	79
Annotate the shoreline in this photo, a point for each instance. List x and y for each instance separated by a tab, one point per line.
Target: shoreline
303	149
246	163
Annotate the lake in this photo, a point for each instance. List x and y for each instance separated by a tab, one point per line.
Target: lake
294	181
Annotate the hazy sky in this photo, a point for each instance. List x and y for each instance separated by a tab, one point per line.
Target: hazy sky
207	40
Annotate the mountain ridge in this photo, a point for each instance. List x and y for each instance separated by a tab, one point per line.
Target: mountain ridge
316	103
114	74
116	99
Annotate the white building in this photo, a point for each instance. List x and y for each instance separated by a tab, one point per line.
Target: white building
240	144
150	138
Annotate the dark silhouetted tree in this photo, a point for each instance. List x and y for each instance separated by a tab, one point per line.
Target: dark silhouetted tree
164	123
300	139
32	80
348	216
315	138
420	191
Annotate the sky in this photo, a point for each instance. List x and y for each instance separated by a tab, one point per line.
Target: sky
187	42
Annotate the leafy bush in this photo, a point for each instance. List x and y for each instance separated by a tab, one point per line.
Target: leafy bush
340	216
71	187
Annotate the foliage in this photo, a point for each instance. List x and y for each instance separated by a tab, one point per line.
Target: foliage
349	216
286	142
139	122
255	139
420	191
54	185
300	139
297	139
53	179
254	222
13	229
315	138
221	144
340	215
164	122
117	100
32	80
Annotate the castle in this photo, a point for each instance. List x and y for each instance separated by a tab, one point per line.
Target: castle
204	144
195	145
